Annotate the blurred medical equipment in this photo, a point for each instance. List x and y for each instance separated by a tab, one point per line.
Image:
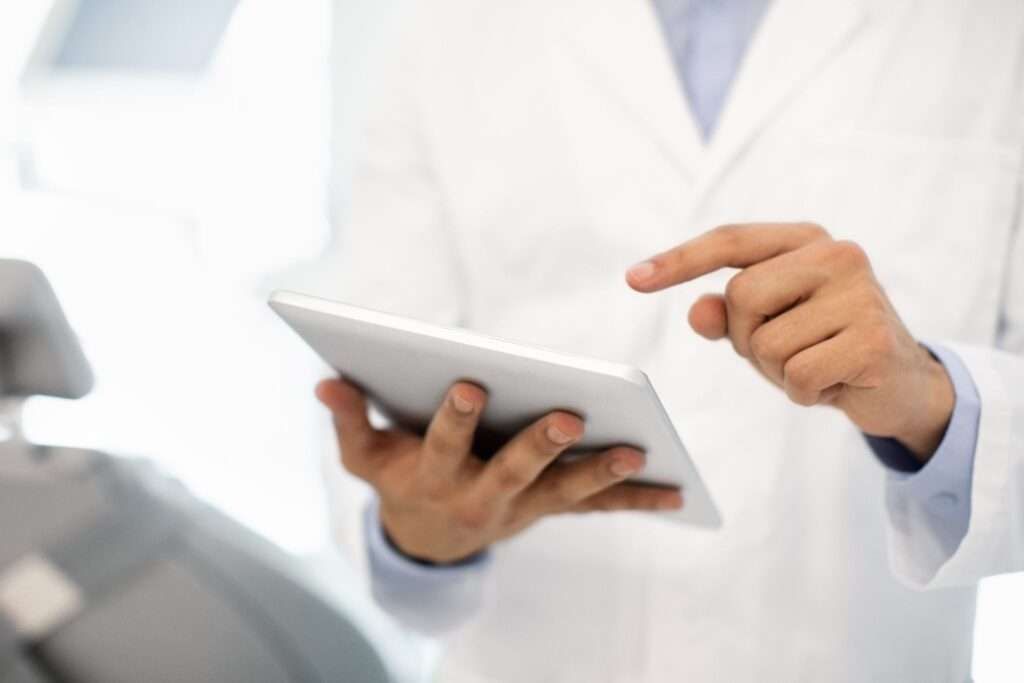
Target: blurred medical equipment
182	110
140	63
111	572
133	35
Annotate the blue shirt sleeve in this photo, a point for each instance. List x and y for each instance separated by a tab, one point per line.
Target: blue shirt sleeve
942	486
431	599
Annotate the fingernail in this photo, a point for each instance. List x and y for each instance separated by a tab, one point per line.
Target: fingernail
461	405
558	436
642	270
624	468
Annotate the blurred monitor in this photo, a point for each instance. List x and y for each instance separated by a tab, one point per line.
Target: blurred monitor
108	98
156	36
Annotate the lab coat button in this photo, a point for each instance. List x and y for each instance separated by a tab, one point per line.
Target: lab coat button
943	502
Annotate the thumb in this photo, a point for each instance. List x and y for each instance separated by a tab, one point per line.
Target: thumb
708	317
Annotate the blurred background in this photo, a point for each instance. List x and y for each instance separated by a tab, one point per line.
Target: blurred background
168	164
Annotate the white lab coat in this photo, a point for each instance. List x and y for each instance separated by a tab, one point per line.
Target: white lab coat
526	153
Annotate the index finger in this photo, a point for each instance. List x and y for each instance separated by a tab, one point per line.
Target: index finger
728	246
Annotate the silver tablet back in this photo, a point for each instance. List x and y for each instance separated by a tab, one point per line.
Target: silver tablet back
406	366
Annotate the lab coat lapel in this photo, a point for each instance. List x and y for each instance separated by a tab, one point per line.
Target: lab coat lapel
619	44
796	40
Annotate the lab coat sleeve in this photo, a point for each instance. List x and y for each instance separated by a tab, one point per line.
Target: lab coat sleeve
430	599
994	540
395	253
933	502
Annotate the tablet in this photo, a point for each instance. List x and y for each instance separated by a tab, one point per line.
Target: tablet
407	366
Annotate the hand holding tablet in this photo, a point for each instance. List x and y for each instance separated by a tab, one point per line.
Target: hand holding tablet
556	433
441	504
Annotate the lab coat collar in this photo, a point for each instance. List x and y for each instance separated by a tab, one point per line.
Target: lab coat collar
796	40
621	43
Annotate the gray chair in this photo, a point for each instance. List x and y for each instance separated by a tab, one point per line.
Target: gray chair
111	572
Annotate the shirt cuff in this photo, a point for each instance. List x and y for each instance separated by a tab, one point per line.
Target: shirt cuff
393	563
429	598
941	487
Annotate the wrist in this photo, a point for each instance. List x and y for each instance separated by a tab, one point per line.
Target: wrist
937	400
418	555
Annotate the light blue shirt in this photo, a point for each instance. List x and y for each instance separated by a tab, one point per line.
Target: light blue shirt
708	39
943	486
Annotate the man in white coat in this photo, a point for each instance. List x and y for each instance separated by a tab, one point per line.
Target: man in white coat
866	159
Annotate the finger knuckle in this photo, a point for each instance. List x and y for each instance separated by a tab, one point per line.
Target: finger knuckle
799	381
728	231
601	472
644	499
873	303
561	491
738	291
814	230
798	374
509	476
800	397
850	254
763	345
650	500
434	490
738	348
620	497
472	516
440	443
